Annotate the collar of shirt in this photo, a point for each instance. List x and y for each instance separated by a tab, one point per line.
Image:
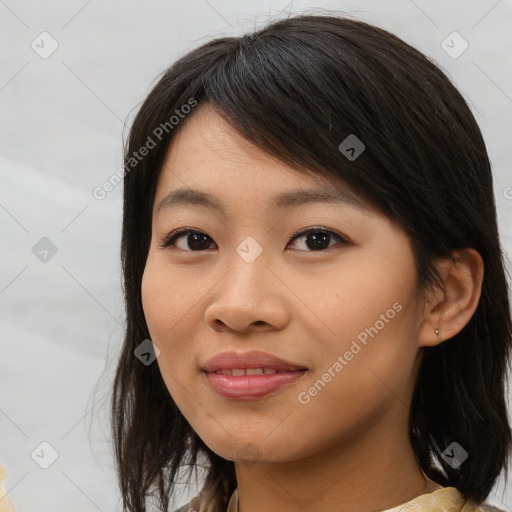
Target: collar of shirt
444	499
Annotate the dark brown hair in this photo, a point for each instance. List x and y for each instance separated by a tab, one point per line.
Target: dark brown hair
296	89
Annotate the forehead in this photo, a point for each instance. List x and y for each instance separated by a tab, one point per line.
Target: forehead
207	146
207	160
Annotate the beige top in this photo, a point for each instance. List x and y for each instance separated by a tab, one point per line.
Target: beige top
445	499
5	502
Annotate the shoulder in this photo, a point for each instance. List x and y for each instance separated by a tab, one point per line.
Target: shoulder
446	499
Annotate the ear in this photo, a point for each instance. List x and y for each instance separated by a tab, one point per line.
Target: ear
450	309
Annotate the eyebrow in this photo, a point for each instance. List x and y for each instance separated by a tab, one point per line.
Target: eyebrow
288	199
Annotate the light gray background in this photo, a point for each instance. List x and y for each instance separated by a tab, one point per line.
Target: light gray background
61	125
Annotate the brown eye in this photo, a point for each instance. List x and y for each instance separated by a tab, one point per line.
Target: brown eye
194	240
317	239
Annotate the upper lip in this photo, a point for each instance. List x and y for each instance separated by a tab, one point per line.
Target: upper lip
251	359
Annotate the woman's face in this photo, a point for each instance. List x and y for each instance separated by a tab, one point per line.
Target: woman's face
339	303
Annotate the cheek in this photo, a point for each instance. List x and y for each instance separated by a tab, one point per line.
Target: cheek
167	308
368	294
369	319
162	311
166	298
344	397
155	302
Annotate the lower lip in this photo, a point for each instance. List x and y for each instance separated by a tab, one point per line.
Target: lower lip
251	387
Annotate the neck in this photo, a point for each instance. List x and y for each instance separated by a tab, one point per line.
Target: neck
376	471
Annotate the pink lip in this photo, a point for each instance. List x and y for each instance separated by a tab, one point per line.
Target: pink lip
250	387
252	359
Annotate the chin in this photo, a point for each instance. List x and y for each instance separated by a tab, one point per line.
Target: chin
251	449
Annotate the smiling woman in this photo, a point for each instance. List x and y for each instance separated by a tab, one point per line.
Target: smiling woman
324	291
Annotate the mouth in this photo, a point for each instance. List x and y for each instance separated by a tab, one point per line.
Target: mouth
249	387
254	362
238	372
250	375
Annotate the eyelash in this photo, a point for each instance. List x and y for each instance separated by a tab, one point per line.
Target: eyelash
169	240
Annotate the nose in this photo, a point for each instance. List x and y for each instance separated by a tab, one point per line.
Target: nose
249	297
